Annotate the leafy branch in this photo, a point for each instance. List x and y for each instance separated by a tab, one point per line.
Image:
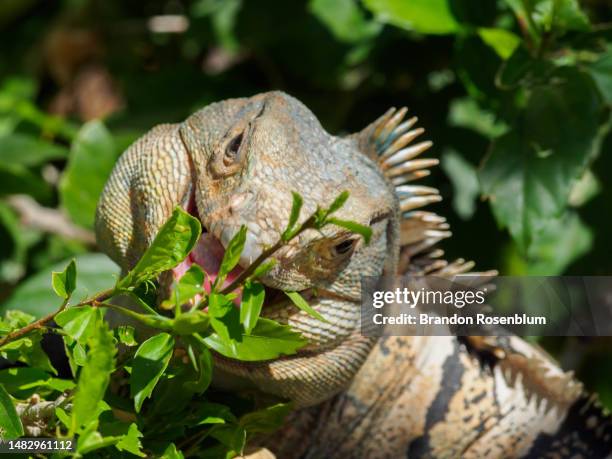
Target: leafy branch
91	346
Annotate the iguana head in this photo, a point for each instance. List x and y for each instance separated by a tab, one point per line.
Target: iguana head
238	162
269	147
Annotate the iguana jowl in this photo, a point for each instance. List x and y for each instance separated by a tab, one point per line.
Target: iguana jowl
236	162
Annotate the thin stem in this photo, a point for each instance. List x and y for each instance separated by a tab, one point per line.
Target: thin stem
48	318
308	224
140	302
158	321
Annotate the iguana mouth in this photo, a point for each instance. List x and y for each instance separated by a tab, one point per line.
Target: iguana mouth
208	254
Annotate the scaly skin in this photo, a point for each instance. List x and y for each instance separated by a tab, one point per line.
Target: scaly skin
236	162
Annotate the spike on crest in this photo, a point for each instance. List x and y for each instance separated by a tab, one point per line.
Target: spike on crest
388	141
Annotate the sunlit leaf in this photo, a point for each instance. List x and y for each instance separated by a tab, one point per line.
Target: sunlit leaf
266	420
426	16
231	257
173	242
150	362
345	19
10	424
205	369
79	323
253	295
64	282
530	171
502	41
302	304
188	286
231	435
94	377
354	227
296	206
130	442
125	335
171	452
191	322
224	317
268	340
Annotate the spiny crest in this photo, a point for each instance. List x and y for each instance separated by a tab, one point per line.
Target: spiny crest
392	140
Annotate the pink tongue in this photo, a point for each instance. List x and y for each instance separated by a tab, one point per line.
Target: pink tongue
208	253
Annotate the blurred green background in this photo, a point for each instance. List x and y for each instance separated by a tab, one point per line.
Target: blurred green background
515	94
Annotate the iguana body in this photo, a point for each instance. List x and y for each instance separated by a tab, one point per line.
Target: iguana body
236	162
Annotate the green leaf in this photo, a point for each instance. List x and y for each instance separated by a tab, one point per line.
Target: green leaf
205	370
29	351
90	440
18	319
560	16
150	362
557	245
267	341
223	17
232	436
338	202
467	113
189	285
91	160
10	424
586	188
224	317
173	242
354	227
79	323
530	171
125	335
191	322
29	151
94	378
464	178
96	273
296	206
172	453
266	420
210	413
601	71
556	16
344	19
64	282
263	269
502	41
521	69
130	442
231	257
425	16
302	304
253	295
22	382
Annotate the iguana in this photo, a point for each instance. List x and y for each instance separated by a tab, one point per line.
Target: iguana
236	163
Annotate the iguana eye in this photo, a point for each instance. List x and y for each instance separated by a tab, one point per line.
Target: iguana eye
231	152
344	247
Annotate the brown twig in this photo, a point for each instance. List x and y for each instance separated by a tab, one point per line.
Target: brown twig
106	294
308	224
49	220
